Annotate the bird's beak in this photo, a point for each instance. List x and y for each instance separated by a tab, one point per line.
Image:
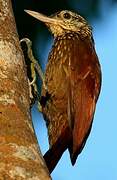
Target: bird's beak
42	17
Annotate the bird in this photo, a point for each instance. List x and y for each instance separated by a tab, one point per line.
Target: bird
73	79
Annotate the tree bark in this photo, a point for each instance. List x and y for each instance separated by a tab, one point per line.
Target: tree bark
20	157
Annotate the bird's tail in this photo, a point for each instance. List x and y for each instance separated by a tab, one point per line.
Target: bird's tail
53	155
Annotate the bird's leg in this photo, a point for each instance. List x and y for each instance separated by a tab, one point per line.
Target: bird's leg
35	67
35	64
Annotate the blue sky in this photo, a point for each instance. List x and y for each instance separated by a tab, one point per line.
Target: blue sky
98	158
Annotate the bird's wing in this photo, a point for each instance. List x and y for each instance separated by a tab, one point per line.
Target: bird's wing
84	79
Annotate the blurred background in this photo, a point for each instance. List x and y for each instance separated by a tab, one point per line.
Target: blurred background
98	158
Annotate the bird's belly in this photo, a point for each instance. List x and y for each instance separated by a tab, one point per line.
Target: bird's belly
57	85
55	111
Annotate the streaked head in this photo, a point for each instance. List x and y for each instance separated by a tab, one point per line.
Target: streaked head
62	22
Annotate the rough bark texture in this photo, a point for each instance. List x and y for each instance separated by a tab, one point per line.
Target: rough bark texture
20	157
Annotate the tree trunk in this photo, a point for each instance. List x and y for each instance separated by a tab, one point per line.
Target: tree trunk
20	157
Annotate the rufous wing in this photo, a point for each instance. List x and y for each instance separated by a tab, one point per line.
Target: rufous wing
84	87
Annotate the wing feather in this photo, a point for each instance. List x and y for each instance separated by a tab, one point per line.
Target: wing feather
84	86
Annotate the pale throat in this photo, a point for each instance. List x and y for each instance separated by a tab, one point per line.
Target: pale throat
58	30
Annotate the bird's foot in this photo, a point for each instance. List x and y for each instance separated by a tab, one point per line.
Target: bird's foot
31	70
34	61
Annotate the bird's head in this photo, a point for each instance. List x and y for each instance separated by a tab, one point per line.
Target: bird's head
63	22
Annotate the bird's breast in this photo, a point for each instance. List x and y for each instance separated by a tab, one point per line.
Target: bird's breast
58	64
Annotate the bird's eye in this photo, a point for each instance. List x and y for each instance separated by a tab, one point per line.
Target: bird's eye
66	15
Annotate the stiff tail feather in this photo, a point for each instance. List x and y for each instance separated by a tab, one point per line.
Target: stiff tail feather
53	155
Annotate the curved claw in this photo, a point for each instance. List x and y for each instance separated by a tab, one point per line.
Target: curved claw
34	61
